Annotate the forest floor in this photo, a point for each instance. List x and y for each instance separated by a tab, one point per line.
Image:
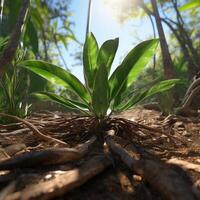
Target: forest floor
116	181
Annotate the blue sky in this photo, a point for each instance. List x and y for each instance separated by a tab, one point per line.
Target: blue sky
104	26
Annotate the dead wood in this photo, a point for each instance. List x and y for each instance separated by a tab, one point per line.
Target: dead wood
196	188
63	183
184	164
14	148
10	188
163	178
7	178
18	131
35	130
46	157
194	84
194	93
11	126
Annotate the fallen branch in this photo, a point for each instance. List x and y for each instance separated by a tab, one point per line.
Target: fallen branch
184	164
35	130
46	157
16	132
195	83
194	93
12	126
160	176
196	188
63	183
10	188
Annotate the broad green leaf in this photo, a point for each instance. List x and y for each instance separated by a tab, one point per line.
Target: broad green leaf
74	105
90	52
100	96
107	53
159	87
162	86
57	75
132	66
190	5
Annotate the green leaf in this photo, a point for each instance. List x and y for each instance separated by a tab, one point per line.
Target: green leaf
132	101
74	105
90	52
107	53
190	5
162	86
159	87
36	18
3	42
57	75
32	34
132	66
100	96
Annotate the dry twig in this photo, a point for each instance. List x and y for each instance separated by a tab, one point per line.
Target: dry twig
63	183
184	164
46	157
160	176
35	130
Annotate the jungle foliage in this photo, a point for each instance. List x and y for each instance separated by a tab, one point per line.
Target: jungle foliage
47	31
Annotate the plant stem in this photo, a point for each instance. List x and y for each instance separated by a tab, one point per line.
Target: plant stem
88	18
98	131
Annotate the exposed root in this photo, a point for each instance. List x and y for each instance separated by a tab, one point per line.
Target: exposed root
184	164
46	157
191	93
130	126
35	130
137	151
63	183
10	188
160	176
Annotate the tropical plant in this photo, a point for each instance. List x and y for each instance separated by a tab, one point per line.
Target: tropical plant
102	93
12	89
47	25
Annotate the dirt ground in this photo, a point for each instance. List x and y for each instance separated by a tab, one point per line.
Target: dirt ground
116	182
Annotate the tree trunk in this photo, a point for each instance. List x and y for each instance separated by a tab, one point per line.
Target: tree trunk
192	68
167	61
9	51
185	35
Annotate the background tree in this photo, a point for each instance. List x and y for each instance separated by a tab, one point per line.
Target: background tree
167	61
40	29
179	23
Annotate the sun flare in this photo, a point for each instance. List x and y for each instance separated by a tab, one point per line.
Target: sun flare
118	8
